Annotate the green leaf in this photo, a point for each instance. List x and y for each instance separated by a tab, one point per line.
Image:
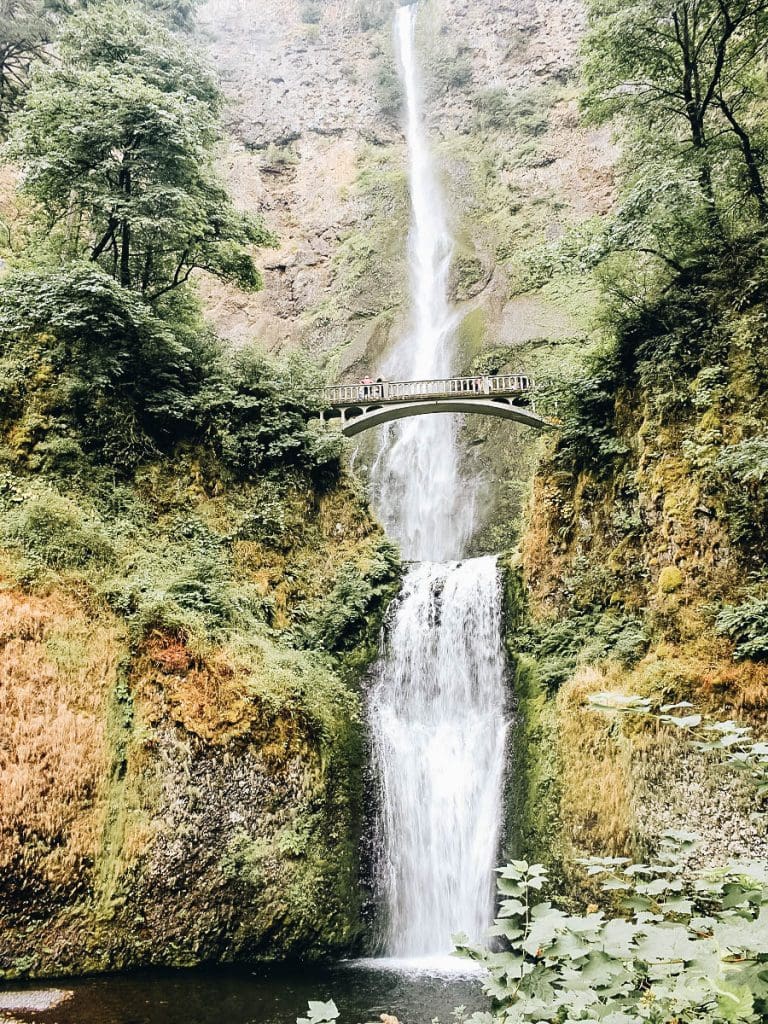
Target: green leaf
735	1002
321	1013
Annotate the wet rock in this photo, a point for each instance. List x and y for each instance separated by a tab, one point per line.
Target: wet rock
33	1000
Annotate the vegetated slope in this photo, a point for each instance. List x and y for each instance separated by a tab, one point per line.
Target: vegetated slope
191	587
645	552
181	736
188	603
182	635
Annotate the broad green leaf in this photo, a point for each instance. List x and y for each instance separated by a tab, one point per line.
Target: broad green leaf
686	722
322	1013
735	1002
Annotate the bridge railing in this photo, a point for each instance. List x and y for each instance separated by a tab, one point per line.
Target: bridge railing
410	390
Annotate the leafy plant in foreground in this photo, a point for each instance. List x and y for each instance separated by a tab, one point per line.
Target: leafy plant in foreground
685	947
320	1013
328	1013
688	949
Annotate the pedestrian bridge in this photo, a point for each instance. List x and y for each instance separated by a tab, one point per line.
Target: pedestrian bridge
361	406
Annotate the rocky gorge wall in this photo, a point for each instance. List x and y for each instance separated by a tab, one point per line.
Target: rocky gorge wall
183	783
316	144
316	147
179	796
641	574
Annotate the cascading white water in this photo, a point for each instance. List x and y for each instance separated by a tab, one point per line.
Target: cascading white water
417	486
436	706
437	713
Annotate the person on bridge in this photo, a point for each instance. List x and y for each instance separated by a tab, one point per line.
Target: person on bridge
365	388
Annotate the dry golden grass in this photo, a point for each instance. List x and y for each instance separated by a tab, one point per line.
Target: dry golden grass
742	686
57	669
702	670
600	750
544	558
203	694
597	777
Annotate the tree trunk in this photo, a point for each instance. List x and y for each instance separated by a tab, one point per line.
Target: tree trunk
125	255
125	232
756	185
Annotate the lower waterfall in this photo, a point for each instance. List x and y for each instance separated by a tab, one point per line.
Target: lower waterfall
436	713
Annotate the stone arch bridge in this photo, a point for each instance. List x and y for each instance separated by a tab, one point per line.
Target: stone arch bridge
359	407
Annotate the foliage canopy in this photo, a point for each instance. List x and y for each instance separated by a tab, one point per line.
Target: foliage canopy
116	142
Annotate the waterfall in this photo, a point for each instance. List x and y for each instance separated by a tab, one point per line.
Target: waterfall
437	713
417	485
436	704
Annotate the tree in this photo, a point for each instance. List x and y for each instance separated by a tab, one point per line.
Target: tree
28	27
116	142
96	364
25	30
179	13
686	75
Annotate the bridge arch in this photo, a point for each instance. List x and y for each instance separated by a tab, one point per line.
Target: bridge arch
357	420
363	406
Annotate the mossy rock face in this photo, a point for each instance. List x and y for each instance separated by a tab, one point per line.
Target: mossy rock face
471	335
670	579
200	715
532	829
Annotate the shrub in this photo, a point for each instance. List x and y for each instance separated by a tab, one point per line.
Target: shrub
494	107
98	359
585	404
337	622
389	90
311	14
742	471
259	416
53	532
454	71
559	646
90	366
685	949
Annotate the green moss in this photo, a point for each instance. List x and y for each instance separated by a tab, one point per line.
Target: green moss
534	828
471	335
470	272
53	532
248	613
670	579
369	275
533	824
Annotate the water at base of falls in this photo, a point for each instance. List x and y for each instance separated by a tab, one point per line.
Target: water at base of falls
436	714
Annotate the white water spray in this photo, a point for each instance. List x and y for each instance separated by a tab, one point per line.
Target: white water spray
436	707
417	486
439	739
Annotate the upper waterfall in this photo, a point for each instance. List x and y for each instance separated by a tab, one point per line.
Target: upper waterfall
417	485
